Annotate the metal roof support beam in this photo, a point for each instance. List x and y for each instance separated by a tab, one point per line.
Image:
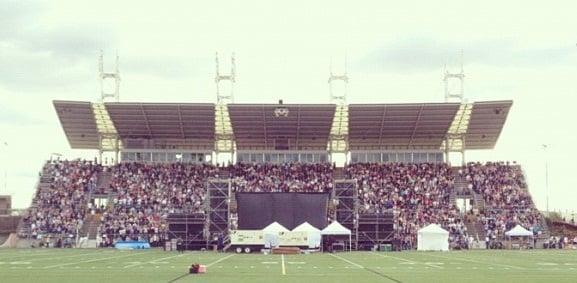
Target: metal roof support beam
264	127
416	124
146	120
382	125
298	127
181	123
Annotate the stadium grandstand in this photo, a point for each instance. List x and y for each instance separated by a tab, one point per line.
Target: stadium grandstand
219	176
349	145
381	171
162	181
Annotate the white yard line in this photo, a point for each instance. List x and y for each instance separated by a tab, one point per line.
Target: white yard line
347	261
65	256
283	266
474	261
13	255
219	260
91	260
153	261
407	260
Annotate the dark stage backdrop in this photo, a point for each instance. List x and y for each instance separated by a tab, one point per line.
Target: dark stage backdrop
258	210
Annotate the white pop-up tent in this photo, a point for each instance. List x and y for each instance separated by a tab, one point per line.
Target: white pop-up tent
336	229
313	234
519	231
433	238
270	234
274	227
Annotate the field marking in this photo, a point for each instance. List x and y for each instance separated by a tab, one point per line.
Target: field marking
220	259
347	261
91	260
42	257
366	269
407	260
475	261
66	256
152	261
283	265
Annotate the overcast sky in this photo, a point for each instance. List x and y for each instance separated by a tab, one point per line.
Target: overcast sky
395	53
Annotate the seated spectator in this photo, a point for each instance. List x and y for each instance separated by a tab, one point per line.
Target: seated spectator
287	177
418	195
507	200
60	208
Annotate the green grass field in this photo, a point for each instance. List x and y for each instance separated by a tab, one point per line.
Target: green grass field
107	265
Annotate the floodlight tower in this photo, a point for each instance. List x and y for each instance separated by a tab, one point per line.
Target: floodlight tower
459	95
455	138
338	139
225	98
341	98
107	134
102	76
224	141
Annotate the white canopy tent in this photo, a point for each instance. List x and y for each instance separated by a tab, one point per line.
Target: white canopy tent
271	234
432	238
336	229
274	227
519	231
313	234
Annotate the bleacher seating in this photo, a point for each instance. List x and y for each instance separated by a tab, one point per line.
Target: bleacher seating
143	195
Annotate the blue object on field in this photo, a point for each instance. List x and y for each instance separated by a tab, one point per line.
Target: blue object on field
132	245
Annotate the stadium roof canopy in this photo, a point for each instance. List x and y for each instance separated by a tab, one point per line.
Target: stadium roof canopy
423	125
77	119
390	126
171	123
281	126
164	121
486	123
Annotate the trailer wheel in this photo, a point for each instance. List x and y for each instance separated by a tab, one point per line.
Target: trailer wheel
247	250
238	250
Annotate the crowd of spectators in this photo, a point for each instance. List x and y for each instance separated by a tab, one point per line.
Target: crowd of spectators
507	200
287	177
59	210
418	195
502	185
142	195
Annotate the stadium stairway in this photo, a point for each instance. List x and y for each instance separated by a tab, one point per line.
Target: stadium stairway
339	173
479	202
90	227
453	198
103	182
475	229
460	184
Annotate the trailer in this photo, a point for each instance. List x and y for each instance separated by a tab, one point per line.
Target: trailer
248	241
